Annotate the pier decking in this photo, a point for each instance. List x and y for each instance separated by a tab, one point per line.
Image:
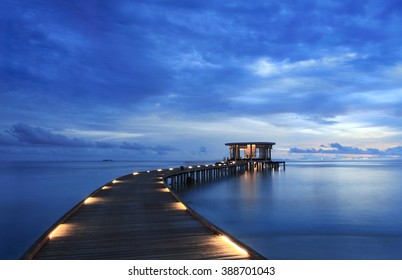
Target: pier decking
138	217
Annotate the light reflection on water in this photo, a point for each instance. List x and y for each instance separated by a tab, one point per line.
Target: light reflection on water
320	210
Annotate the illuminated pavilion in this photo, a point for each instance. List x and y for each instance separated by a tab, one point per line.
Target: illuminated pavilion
257	153
250	150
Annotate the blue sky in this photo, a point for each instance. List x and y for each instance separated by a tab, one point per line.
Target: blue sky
178	79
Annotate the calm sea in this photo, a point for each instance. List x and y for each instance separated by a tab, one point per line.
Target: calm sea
311	210
34	195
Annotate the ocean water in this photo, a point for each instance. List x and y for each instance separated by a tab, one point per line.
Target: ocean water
34	195
349	210
312	210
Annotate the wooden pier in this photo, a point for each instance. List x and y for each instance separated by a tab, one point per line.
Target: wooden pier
262	165
138	217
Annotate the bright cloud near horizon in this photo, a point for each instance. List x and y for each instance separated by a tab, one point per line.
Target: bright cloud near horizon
178	79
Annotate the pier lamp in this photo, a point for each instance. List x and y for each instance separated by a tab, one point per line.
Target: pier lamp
234	245
180	206
88	200
60	230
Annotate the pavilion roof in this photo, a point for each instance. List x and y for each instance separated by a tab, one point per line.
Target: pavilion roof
249	143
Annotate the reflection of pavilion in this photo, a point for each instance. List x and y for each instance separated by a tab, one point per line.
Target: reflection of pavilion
258	152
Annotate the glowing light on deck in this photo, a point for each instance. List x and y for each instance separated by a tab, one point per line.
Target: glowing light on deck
53	233
180	206
206	165
159	170
60	230
148	171
198	166
234	245
190	167
165	190
89	200
171	169
92	200
136	173
115	181
106	187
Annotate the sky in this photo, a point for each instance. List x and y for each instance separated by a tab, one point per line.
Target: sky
135	80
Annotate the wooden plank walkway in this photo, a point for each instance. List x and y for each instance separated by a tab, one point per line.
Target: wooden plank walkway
134	218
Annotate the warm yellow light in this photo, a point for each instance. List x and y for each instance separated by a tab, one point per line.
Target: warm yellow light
92	200
88	200
106	187
165	190
180	206
60	230
115	181
53	233
234	245
136	173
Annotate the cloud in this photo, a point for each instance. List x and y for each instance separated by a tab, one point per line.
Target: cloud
322	66
266	67
132	146
336	148
24	135
192	60
144	149
104	145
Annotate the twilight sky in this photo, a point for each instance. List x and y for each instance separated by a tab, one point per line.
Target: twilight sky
177	79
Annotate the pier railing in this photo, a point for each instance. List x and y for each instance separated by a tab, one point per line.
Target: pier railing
180	178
